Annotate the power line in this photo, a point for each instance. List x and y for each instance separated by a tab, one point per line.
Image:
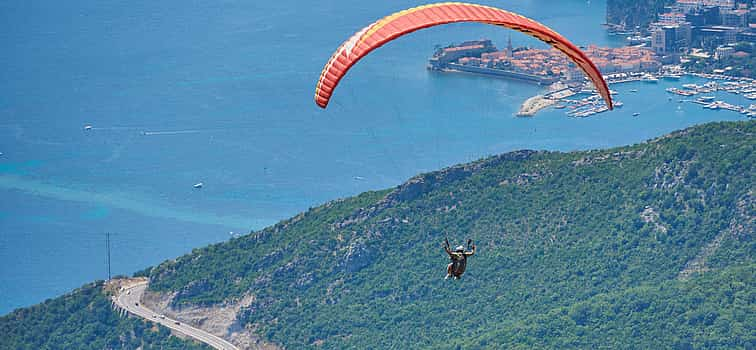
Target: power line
107	250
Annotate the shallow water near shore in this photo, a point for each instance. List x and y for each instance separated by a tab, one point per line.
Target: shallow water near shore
221	93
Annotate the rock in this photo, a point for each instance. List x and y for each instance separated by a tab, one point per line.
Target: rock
358	257
421	184
192	289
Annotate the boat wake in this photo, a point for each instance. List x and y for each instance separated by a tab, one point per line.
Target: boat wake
176	132
110	128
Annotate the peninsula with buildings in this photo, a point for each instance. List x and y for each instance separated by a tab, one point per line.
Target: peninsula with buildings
709	38
541	66
547	67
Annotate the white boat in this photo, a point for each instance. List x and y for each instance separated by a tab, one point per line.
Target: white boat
649	78
359	178
87	127
198	185
636	114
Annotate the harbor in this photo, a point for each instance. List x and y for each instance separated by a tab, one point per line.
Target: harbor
569	89
557	92
583	101
734	86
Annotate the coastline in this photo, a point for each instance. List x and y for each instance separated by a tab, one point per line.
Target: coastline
488	75
535	104
590	106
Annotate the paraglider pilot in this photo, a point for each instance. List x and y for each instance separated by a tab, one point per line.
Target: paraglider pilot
458	259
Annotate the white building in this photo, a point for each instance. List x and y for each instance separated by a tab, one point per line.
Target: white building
688	6
671	18
723	52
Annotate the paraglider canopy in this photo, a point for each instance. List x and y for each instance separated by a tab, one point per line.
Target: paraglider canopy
408	21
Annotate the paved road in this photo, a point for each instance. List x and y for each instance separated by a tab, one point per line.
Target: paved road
129	299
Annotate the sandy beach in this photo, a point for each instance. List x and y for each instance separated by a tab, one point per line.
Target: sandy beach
534	104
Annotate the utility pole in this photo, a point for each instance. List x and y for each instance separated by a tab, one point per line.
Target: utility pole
107	250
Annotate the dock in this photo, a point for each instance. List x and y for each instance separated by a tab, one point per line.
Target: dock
742	86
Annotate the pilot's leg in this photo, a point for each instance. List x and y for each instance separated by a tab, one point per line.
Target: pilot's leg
448	271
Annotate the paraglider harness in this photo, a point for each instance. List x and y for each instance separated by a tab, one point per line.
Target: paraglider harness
458	259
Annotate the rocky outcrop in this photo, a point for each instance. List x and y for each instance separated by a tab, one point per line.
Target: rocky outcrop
742	225
669	175
424	183
193	288
608	157
221	320
525	179
649	215
357	257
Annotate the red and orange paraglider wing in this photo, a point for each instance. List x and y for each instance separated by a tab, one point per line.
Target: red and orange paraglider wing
407	21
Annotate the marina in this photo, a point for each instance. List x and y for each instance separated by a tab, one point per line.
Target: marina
744	87
570	89
700	94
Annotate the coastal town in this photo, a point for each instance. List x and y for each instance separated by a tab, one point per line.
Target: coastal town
709	39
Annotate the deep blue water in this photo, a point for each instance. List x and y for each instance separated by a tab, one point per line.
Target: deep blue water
220	92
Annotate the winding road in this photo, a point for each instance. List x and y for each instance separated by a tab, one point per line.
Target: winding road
129	299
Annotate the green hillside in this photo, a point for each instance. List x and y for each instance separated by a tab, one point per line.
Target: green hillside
634	13
576	250
83	319
713	311
639	247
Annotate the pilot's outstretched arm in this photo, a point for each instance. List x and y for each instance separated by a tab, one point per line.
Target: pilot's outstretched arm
472	252
446	247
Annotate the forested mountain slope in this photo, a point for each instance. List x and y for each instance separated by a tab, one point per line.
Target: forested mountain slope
647	245
634	13
644	246
83	319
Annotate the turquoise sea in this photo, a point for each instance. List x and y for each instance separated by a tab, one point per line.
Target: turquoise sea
221	92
